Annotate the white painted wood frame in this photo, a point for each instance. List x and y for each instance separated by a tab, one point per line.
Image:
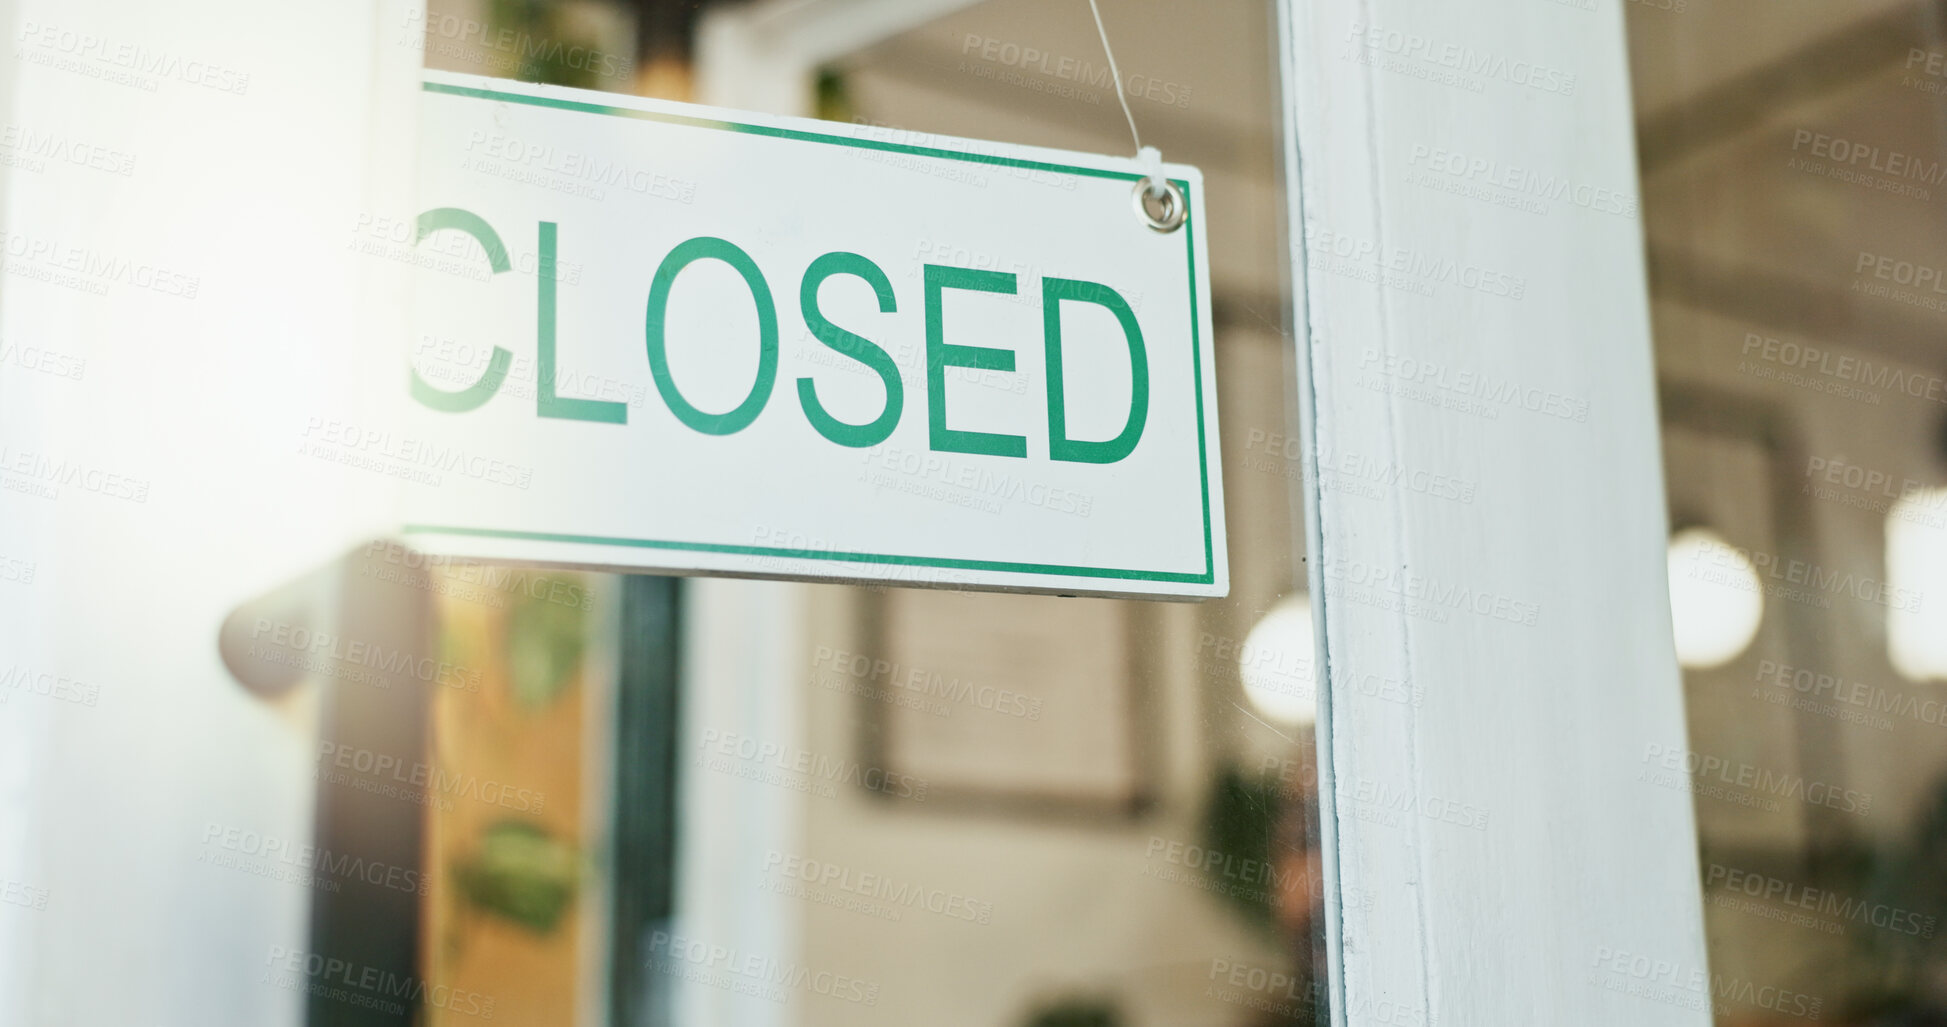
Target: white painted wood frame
1462	312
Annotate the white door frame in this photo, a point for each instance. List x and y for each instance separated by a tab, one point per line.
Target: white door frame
1526	863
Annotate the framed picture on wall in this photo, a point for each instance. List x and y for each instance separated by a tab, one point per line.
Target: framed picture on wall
1020	703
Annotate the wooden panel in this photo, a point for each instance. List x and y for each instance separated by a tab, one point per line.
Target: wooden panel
1475	308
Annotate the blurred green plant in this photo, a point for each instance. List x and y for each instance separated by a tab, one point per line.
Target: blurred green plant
1892	967
1077	1012
545	640
833	96
1239	823
545	62
520	873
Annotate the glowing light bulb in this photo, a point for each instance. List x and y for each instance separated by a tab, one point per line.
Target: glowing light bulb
1277	667
1916	561
1716	598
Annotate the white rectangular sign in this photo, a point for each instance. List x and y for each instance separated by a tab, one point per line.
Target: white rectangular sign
656	336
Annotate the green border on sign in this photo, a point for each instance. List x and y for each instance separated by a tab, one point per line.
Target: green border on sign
1209	574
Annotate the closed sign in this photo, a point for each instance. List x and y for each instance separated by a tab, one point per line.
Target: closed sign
654	336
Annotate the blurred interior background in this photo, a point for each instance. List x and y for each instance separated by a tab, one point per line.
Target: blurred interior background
1793	173
1794	185
1022	811
617	800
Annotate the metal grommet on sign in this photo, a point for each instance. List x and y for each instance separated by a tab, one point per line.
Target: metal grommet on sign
1162	210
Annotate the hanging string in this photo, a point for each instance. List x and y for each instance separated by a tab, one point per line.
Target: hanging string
1151	158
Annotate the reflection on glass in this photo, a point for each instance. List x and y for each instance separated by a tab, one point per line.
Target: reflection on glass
1793	195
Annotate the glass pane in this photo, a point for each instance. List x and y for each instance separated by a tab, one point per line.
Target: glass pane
398	789
1792	170
979	809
